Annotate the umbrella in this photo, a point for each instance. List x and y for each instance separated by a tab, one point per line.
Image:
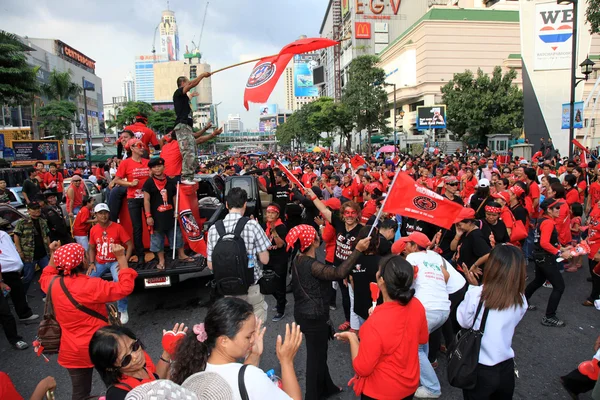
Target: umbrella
387	149
317	149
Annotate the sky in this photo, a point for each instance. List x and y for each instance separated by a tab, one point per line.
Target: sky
113	32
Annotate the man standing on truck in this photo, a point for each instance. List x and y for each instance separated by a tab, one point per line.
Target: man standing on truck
183	127
142	132
102	235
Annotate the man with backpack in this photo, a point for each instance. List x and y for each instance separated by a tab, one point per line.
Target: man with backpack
236	244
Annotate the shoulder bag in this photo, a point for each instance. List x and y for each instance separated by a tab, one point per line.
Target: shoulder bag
113	313
49	330
463	354
242	383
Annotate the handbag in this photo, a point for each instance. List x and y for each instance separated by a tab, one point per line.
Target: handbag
49	330
242	383
463	354
268	282
518	232
113	313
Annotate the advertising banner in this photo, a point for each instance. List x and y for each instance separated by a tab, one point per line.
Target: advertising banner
431	117
566	115
267	124
345	7
553	36
168	46
268	109
28	151
303	75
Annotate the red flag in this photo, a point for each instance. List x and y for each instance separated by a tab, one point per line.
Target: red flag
409	199
290	176
357	161
189	219
582	147
307	45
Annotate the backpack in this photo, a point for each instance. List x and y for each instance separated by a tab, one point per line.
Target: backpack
233	277
463	354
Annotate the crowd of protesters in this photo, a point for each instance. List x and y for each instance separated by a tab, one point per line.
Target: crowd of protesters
327	227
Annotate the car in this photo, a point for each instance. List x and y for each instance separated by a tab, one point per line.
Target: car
91	190
19	197
12	215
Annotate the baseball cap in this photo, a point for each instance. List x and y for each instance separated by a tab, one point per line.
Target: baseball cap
523	162
504	195
34	205
549	203
334	203
416	237
156	161
132	142
451	179
484	182
465	213
208	386
101	207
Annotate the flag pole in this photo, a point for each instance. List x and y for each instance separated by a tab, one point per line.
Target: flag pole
384	201
176	218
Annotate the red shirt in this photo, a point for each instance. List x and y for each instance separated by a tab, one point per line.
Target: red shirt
80	227
172	156
7	389
78	193
594	230
468	189
115	234
142	132
329	236
77	326
54	181
581	186
534	193
349	191
563	225
594	194
572	196
307	179
546	228
359	188
388	356
368	211
131	170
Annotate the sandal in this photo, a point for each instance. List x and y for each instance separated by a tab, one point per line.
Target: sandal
344	327
587	303
160	266
186	260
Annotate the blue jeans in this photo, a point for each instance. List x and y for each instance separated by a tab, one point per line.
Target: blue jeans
528	245
429	380
29	271
101	269
157	240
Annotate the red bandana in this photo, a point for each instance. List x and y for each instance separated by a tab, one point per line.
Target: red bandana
305	233
69	256
490	209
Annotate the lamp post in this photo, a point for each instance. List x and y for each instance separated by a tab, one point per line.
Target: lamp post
586	70
87	86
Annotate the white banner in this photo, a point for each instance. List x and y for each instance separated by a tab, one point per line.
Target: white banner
553	36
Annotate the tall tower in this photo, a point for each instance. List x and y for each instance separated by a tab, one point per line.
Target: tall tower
129	88
289	89
169	36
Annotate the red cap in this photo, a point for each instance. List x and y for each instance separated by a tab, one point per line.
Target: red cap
465	213
504	195
398	247
334	203
417	237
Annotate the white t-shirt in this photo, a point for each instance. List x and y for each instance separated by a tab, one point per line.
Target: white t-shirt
258	385
456	281
496	342
9	257
430	285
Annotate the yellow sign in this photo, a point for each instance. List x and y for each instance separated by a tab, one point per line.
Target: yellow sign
345	7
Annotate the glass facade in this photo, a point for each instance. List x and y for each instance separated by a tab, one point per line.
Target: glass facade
144	80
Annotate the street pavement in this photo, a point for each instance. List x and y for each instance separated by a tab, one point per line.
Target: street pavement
542	354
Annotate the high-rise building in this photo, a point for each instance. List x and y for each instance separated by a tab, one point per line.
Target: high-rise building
128	89
169	36
144	76
289	88
234	123
165	80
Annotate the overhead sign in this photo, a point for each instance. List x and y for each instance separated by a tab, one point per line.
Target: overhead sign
566	115
553	36
73	55
268	109
345	7
377	7
431	117
362	30
29	151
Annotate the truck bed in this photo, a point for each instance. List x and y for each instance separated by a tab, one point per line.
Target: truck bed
172	267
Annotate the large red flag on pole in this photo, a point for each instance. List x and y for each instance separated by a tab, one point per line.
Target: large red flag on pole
190	220
290	176
357	161
410	199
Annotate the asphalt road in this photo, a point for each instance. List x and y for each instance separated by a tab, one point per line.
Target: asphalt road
542	354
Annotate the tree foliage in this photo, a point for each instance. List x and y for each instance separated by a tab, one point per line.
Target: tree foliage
126	115
592	14
365	96
60	87
57	118
162	121
18	82
480	105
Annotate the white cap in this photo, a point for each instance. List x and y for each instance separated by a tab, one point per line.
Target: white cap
484	182
101	207
522	162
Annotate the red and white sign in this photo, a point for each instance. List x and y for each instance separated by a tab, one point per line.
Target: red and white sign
362	30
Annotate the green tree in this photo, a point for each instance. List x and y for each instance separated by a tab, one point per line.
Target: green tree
127	114
480	105
57	118
593	15
365	97
162	121
344	124
18	82
60	86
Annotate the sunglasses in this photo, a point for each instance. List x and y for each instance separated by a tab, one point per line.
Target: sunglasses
77	181
138	145
452	184
555	208
135	346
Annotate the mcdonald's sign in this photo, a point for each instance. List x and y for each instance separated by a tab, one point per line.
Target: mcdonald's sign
362	30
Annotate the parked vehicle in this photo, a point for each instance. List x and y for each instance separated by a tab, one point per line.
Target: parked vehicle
91	189
10	214
19	198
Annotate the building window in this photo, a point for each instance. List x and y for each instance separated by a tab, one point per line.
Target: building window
593	122
585	123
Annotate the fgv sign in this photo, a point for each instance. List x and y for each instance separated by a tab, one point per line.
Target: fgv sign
377	7
553	35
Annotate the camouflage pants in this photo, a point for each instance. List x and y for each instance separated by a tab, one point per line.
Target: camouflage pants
187	147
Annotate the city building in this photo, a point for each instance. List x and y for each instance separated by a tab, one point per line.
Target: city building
234	124
128	90
144	76
169	36
289	88
299	87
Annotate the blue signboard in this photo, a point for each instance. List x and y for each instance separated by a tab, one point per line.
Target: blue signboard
1	141
566	115
303	75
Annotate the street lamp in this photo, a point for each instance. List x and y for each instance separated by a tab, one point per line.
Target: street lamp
87	85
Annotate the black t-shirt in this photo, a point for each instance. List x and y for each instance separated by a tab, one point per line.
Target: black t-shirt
163	220
39	249
281	196
278	256
475	204
31	187
385	246
445	241
412	225
181	101
520	213
457	199
472	247
363	274
344	240
499	231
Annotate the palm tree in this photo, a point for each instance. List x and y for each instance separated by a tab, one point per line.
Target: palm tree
60	86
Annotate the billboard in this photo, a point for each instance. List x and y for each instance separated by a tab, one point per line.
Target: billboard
74	56
319	75
566	115
168	46
431	117
553	36
267	124
268	109
29	151
362	30
303	75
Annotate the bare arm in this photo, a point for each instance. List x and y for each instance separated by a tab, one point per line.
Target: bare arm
263	257
122	182
193	83
203	130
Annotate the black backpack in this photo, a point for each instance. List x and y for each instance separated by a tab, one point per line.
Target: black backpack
463	354
230	261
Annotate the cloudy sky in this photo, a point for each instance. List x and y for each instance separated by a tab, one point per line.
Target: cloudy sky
113	32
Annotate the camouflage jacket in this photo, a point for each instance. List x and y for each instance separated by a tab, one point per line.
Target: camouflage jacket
25	230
